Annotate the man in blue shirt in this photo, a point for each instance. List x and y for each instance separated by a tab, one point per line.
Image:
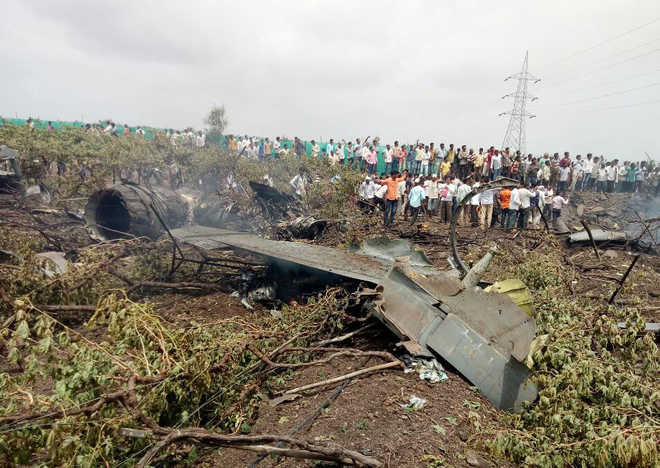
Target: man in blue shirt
415	197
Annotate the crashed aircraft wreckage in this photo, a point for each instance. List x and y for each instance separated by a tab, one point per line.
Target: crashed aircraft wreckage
484	335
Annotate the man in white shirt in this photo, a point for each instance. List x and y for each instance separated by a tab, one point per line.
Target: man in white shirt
419	157
379	195
299	183
537	208
514	206
611	172
486	208
496	165
426	157
461	192
564	176
578	169
276	146
200	140
622	172
362	190
587	168
431	189
363	156
387	156
330	149
401	189
524	195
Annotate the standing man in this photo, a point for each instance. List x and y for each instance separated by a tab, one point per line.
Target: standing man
595	170
276	148
431	189
496	165
441	156
364	156
388	155
557	203
525	195
415	198
486	208
611	172
479	160
330	149
504	199
564	176
462	162
462	190
587	168
392	196
514	207
298	147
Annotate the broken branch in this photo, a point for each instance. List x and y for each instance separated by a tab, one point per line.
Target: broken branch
344	377
299	448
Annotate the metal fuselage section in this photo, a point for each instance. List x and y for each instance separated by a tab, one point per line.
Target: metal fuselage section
485	336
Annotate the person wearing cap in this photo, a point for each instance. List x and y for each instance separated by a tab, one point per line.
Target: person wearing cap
362	190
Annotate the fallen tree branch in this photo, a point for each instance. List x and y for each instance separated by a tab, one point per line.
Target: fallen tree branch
338	352
344	377
159	284
591	238
298	448
66	308
344	337
623	279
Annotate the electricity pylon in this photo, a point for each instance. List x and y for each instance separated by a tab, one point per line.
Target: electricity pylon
515	136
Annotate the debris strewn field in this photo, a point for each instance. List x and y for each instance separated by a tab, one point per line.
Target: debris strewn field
131	358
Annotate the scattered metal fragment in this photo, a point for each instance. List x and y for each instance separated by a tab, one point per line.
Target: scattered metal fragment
125	209
56	259
599	235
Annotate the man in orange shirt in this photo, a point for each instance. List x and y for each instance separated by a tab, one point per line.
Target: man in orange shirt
392	196
504	198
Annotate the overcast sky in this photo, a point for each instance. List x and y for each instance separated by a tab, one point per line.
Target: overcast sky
429	70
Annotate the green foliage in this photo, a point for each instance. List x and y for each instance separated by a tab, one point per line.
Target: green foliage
599	399
205	369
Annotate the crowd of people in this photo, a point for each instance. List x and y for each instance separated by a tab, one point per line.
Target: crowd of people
422	178
409	179
510	206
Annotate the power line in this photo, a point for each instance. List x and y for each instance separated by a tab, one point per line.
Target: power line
582	88
616	93
623	52
606	41
629	105
636	104
607	67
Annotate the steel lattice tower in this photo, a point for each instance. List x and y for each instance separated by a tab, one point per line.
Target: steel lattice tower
515	136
